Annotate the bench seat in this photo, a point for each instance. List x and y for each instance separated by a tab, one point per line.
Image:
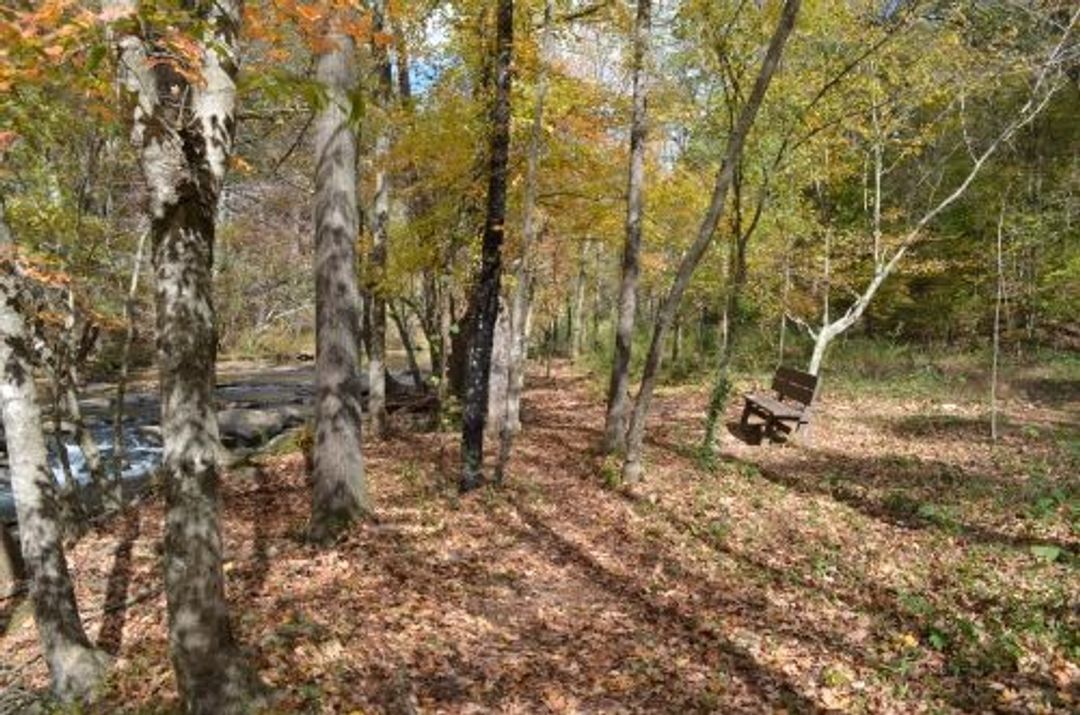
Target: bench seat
775	408
789	410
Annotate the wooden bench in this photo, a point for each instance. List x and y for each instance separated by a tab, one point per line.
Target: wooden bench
789	410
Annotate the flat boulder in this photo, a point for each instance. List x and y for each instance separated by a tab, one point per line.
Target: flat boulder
249	428
99	404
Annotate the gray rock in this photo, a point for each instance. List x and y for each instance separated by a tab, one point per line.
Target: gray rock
245	428
151	432
48	427
101	404
294	415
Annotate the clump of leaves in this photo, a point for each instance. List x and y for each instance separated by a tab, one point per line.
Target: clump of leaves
450	415
305	442
938	514
705	457
610	473
901	505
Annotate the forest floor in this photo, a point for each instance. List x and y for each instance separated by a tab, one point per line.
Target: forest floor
899	563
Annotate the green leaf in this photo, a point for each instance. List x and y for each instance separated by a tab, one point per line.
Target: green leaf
94	58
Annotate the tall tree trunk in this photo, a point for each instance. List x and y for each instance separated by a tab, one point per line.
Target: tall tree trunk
74	356
999	298
499	376
380	224
340	491
72	514
598	299
783	305
676	339
446	324
401	320
618	398
75	667
87	445
632	468
125	361
185	133
821	345
577	327
733	295
519	304
485	298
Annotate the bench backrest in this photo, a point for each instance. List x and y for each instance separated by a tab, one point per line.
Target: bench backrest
794	385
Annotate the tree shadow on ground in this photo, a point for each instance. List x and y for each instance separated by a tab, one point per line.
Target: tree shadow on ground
255	505
10	608
1055	392
908	492
670	621
939	427
14	584
111	635
971	686
550	656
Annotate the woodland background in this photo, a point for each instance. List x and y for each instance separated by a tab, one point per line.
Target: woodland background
895	211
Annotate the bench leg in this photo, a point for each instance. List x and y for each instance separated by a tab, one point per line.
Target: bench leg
745	421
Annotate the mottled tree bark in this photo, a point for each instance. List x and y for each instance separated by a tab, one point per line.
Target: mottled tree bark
75	667
340	491
632	467
485	297
185	133
618	399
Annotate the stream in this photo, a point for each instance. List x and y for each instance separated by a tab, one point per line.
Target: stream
255	403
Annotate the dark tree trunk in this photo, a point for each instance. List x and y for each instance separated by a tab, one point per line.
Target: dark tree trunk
485	298
75	667
618	399
340	492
